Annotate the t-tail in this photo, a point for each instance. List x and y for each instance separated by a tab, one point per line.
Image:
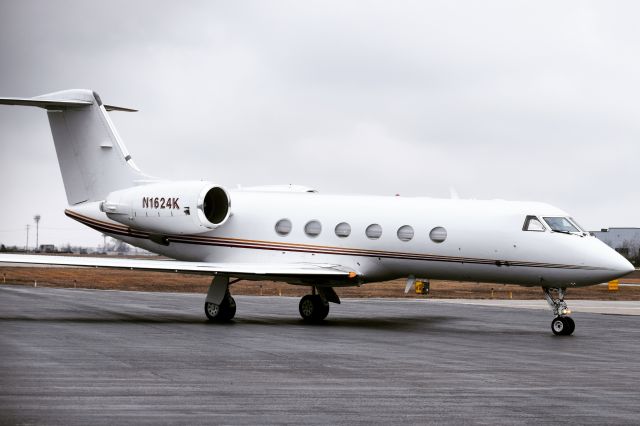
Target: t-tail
93	159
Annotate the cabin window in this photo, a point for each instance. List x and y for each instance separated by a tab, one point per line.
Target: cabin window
405	233
438	234
283	227
560	224
532	223
343	230
374	231
313	228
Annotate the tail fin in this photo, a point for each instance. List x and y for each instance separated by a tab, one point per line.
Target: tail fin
93	159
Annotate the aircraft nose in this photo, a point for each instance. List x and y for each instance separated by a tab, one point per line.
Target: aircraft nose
620	265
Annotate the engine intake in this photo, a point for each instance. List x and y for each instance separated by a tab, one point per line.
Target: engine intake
215	205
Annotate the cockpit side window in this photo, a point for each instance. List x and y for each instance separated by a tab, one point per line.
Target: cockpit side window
532	223
560	224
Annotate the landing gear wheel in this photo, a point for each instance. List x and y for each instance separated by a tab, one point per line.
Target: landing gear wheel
571	325
563	326
313	309
323	310
558	326
223	312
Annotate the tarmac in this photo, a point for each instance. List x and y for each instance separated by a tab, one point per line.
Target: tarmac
109	357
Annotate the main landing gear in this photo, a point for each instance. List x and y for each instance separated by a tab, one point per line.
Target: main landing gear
315	307
312	308
562	324
219	306
223	312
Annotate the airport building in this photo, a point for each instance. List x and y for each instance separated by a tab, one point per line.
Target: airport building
625	241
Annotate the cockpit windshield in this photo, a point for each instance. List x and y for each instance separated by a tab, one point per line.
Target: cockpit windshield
561	224
577	224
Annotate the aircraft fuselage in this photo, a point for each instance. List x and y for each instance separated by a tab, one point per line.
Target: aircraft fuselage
483	240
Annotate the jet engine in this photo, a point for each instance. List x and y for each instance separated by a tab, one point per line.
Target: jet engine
170	207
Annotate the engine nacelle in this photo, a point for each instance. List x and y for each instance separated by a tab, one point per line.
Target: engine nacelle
170	207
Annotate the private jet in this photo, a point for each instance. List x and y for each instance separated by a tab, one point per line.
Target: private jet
297	235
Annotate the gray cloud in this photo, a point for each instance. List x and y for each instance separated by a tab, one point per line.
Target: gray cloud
513	100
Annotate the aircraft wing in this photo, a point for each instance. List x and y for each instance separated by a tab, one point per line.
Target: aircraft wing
284	271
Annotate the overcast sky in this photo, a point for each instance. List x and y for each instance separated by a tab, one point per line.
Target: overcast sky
515	100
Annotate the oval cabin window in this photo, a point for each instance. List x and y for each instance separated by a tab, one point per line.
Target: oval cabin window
438	234
313	228
343	230
283	227
374	231
405	233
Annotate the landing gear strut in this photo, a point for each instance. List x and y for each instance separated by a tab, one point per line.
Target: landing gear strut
562	324
315	307
219	306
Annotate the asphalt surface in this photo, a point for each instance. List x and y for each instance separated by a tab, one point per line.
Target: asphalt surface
109	357
609	307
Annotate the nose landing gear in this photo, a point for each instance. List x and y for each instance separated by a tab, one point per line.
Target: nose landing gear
562	324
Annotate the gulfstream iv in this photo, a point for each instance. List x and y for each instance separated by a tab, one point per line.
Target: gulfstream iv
297	235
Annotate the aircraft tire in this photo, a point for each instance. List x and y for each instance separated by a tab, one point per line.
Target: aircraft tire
322	309
312	308
571	326
562	326
223	312
229	308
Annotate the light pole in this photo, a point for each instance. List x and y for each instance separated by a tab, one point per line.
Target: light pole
26	247
37	220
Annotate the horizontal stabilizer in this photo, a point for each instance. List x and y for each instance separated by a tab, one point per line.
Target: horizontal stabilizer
57	103
44	103
201	268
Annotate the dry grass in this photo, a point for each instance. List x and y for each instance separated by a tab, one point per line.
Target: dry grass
156	281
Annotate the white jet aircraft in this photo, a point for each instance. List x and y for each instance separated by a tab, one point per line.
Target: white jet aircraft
296	235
